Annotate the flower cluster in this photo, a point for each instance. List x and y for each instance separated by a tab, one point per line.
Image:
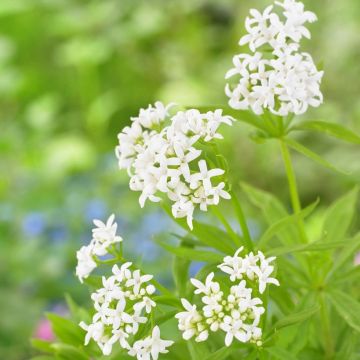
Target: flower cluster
122	305
276	76
256	268
103	236
234	311
159	154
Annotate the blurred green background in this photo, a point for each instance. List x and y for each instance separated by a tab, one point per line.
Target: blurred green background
72	72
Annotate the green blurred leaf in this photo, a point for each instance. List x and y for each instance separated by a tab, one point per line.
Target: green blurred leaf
347	346
347	307
207	234
280	354
69	352
346	255
273	212
313	156
78	313
220	354
66	330
168	300
197	350
41	345
332	129
43	357
296	318
181	273
284	222
191	254
339	217
315	246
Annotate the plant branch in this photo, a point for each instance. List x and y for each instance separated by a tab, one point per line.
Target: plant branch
294	194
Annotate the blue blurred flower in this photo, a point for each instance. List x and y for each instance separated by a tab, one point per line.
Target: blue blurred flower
195	267
95	209
58	233
33	224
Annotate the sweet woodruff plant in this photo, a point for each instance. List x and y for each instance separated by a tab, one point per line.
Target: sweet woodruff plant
248	290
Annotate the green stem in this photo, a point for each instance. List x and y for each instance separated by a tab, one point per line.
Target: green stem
328	344
294	194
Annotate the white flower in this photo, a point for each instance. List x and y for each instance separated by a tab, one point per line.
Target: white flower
153	115
86	263
137	280
103	236
121	306
253	266
189	321
150	347
158	152
289	81
234	328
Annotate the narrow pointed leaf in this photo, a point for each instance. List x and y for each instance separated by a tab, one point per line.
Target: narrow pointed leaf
279	353
284	222
220	354
347	307
273	211
339	217
313	156
296	318
207	234
332	129
192	254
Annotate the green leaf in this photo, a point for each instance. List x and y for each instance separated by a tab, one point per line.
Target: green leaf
347	346
346	255
158	320
206	234
313	156
280	354
69	352
347	307
180	272
41	345
284	222
296	318
332	129
315	246
339	217
94	281
220	354
301	337
168	300
191	254
273	212
66	330
78	313
197	350
43	357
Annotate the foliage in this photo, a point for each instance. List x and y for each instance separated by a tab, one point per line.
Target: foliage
73	72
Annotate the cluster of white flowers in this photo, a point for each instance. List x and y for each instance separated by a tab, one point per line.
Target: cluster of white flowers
122	305
158	152
233	311
277	77
103	236
256	268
